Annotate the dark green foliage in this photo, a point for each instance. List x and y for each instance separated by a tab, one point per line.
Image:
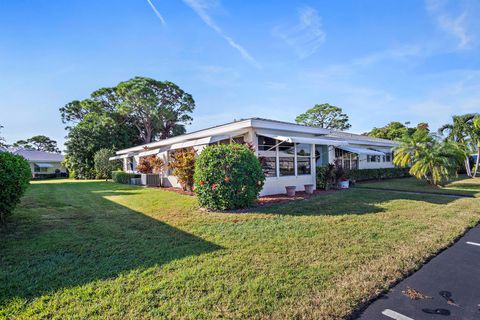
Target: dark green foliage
326	177
40	143
324	116
123	177
103	166
95	132
227	177
15	175
378	174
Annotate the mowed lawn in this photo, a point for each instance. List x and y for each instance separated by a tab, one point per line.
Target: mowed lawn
93	249
460	186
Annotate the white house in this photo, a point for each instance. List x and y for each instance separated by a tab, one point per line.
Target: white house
288	152
42	164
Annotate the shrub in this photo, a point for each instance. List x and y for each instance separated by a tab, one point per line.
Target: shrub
228	176
378	174
15	175
326	177
123	177
103	166
182	164
150	164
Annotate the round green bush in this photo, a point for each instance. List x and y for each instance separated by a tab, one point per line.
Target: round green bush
227	176
15	175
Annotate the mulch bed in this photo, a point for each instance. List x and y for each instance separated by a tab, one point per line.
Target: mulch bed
265	200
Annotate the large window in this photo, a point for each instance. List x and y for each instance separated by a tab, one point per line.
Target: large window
269	166
304	159
38	169
321	155
284	158
349	160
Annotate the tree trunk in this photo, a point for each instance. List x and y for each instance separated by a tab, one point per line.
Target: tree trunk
467	167
477	162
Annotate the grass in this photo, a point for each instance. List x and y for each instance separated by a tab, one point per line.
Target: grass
460	186
101	250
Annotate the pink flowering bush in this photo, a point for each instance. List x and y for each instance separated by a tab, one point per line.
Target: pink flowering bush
227	176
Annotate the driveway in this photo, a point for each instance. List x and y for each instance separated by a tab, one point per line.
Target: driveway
447	287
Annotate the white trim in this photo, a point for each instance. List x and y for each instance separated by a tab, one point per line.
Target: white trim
43	165
473	243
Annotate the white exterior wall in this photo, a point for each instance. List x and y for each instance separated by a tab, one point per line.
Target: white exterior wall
363	164
50	170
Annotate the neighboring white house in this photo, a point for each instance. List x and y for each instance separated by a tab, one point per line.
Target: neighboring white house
288	152
42	164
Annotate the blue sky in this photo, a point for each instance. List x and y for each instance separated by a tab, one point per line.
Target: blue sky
381	61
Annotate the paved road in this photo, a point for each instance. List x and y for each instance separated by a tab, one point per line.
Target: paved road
451	279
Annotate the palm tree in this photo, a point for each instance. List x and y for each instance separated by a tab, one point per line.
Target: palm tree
474	131
429	157
459	132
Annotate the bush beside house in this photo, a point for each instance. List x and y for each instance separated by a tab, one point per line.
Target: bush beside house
228	176
182	164
123	177
15	175
103	166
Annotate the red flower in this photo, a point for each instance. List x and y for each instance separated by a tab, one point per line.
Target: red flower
201	182
226	179
214	186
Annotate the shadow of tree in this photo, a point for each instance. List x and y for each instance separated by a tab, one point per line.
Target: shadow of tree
65	235
340	203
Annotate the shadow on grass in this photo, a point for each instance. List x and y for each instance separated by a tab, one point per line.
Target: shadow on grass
66	234
353	201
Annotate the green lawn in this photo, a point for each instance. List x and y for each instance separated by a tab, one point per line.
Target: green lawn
100	250
460	186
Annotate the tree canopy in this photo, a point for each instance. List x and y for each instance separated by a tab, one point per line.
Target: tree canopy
324	116
136	111
395	130
428	157
40	143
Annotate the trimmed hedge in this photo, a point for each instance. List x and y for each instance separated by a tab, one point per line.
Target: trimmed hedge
378	174
228	176
15	175
123	177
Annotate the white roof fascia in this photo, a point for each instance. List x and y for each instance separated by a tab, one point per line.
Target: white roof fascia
224	129
289	127
44	165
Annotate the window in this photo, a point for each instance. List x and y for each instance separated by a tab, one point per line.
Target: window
371	158
280	157
287	166
269	166
321	155
38	169
349	160
388	157
304	159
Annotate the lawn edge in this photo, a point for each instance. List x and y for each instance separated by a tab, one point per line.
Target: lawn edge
459	195
363	306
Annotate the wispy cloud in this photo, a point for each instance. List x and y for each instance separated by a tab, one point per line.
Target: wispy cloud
157	13
201	9
306	36
455	25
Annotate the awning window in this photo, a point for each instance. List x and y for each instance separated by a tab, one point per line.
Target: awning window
44	165
359	150
296	139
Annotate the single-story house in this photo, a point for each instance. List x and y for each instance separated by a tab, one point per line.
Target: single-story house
288	152
42	164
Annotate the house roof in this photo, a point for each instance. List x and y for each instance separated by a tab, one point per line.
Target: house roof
34	155
261	123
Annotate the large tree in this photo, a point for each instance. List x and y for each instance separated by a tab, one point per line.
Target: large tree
139	110
324	116
40	143
395	130
158	110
